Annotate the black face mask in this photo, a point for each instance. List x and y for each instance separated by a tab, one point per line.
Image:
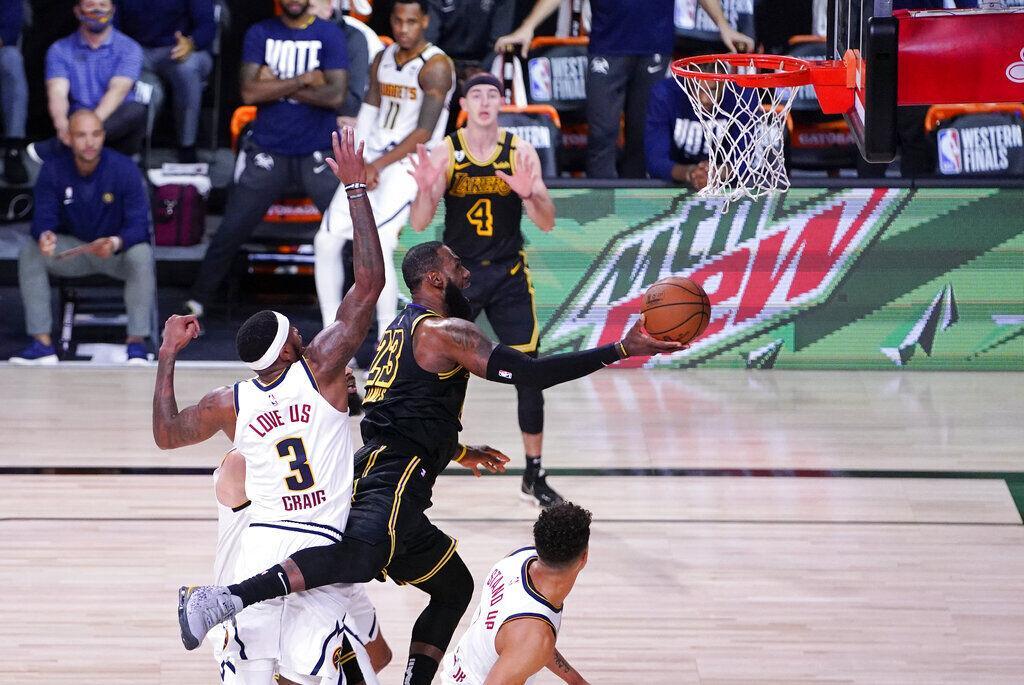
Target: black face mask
456	303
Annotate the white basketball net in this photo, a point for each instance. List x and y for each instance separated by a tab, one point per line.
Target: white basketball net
744	128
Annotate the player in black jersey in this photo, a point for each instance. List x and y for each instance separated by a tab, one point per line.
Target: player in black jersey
488	176
415	391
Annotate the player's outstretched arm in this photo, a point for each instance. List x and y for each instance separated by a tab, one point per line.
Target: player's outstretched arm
564	670
528	183
429	170
456	341
524	646
331	349
194	424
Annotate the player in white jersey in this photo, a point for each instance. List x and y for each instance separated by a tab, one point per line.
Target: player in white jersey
232	519
411	82
513	632
291	423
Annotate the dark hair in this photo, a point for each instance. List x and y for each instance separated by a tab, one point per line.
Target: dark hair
256	335
419	260
421	3
561	534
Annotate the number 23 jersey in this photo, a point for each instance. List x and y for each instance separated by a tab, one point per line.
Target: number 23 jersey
298	449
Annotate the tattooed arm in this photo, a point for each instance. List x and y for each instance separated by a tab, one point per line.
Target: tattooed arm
215	412
561	668
333	347
443	344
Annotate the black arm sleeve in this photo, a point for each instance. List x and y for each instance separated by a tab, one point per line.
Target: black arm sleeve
506	365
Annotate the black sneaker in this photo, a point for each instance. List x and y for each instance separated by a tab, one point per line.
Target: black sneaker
536	489
15	172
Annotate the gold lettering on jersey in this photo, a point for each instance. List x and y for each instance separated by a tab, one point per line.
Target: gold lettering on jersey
384	368
464	184
271	420
397	91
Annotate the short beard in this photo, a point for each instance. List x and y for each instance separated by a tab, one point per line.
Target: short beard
294	16
456	303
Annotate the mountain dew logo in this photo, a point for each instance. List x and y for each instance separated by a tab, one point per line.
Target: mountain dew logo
760	265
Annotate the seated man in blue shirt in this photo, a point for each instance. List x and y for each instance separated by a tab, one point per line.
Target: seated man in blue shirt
674	142
13	91
294	69
94	68
176	36
91	217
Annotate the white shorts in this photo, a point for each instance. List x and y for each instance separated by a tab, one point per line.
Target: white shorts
302	632
390	201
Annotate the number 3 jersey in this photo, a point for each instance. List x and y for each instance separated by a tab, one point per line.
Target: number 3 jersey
482	214
400	100
297	447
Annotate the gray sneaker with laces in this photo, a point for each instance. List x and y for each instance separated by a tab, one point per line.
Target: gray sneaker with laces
201	607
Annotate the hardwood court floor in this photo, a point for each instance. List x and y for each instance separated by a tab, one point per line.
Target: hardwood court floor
843	567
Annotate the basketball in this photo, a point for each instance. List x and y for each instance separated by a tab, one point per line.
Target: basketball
676	309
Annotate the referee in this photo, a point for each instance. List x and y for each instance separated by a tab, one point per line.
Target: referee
487	177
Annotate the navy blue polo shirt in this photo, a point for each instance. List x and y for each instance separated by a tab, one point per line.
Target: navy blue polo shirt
631	27
289	127
110	201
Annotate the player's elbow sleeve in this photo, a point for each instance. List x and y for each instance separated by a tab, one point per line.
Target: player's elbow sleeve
512	367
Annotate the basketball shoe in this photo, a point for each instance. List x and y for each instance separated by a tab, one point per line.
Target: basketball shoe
535	488
201	607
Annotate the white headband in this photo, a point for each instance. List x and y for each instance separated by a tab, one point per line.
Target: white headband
270	356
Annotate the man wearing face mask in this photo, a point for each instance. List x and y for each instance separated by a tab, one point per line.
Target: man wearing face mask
94	68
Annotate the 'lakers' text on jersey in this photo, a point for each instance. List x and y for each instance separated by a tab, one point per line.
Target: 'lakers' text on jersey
507	595
482	214
405	403
297	448
401	98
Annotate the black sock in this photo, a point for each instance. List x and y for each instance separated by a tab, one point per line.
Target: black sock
271	583
420	670
532	467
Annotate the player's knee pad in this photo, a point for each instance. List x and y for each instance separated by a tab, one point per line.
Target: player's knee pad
531	409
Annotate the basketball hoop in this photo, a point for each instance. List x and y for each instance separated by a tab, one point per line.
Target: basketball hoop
742	103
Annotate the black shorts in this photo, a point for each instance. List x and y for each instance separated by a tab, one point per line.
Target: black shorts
390	495
504	291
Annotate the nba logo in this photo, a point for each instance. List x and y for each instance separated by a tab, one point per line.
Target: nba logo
540	79
949	151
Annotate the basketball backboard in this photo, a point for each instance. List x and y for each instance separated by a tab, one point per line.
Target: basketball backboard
925	57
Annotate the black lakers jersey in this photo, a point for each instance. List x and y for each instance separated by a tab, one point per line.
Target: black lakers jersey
405	404
482	214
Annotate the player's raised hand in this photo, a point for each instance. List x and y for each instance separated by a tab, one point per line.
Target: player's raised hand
425	172
638	343
483	456
179	331
347	164
522	181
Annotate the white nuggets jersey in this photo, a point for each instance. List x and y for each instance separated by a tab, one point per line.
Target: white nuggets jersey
400	100
297	447
507	595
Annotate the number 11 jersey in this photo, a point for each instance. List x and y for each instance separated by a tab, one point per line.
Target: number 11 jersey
298	450
401	99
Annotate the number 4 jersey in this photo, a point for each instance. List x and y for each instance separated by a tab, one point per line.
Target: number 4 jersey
481	213
297	447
